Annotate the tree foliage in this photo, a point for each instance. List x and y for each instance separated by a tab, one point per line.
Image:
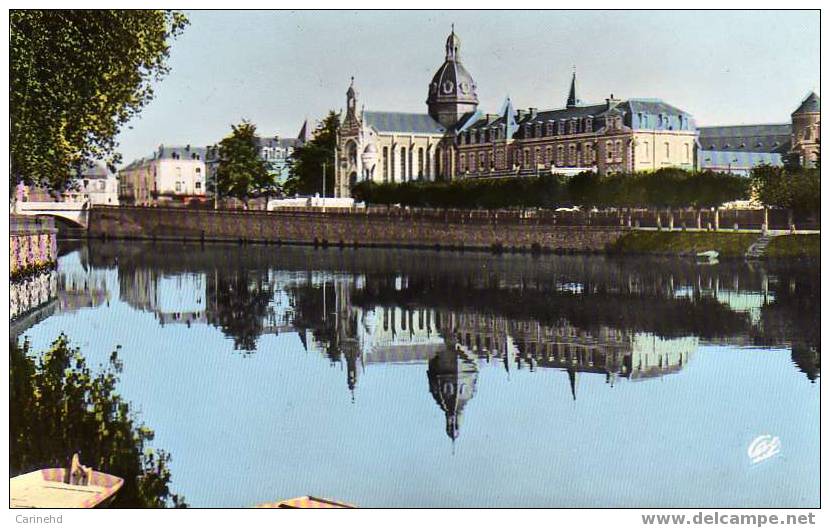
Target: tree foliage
240	171
662	188
75	78
790	187
59	407
307	168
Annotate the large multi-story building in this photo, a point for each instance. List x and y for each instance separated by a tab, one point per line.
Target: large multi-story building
454	139
171	174
738	149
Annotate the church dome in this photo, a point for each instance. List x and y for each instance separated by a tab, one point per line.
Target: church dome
452	82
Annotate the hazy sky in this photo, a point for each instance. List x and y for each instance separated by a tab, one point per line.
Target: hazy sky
278	67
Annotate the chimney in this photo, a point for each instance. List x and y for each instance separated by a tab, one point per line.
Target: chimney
520	114
187	148
611	102
533	112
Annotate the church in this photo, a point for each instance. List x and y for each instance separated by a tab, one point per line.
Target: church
455	140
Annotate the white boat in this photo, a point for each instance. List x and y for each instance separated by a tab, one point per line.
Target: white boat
79	487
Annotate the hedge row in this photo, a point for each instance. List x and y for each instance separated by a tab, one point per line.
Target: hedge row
662	188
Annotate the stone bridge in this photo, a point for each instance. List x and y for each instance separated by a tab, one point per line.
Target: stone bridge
74	214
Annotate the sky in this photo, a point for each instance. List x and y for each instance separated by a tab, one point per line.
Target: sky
278	68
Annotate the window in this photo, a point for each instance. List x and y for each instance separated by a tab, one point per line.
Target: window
537	156
549	128
420	163
198	170
589	124
561	126
198	185
385	164
526	158
609	150
618	149
560	155
538	131
481	163
403	163
668	149
462	163
548	156
572	154
472	162
686	153
178	186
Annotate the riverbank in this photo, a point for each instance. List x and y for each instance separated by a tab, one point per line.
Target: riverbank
511	231
727	244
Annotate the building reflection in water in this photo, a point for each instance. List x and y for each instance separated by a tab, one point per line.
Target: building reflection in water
452	382
586	317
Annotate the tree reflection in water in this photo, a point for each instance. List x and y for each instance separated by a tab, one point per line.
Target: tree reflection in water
61	407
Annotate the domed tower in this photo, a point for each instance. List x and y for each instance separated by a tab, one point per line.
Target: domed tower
452	382
806	130
452	92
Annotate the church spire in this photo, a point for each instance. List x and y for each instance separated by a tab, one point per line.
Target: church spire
572	100
453	45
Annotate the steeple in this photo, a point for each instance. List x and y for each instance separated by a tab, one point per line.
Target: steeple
572	100
453	45
305	134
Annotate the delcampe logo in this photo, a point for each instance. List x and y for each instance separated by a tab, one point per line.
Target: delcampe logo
763	447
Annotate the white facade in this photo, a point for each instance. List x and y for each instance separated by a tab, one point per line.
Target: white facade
95	191
180	177
171	174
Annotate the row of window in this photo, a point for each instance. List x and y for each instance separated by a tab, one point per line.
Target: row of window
414	163
646	152
531	130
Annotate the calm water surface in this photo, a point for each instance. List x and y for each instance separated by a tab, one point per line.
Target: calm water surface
422	378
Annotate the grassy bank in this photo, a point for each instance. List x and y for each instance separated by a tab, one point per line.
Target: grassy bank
795	246
684	243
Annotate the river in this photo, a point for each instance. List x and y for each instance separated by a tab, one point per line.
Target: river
424	378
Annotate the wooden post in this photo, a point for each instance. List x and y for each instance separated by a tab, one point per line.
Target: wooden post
717	219
765	225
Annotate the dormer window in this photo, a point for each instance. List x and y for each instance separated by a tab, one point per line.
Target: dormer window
561	126
549	128
538	131
589	124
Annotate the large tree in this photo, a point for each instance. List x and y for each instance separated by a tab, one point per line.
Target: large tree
75	78
314	157
791	187
240	171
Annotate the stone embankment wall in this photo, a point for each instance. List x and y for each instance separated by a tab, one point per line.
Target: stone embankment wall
32	263
449	229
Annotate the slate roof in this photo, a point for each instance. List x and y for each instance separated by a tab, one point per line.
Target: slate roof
773	138
180	152
811	104
716	159
638	114
94	170
272	142
403	123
